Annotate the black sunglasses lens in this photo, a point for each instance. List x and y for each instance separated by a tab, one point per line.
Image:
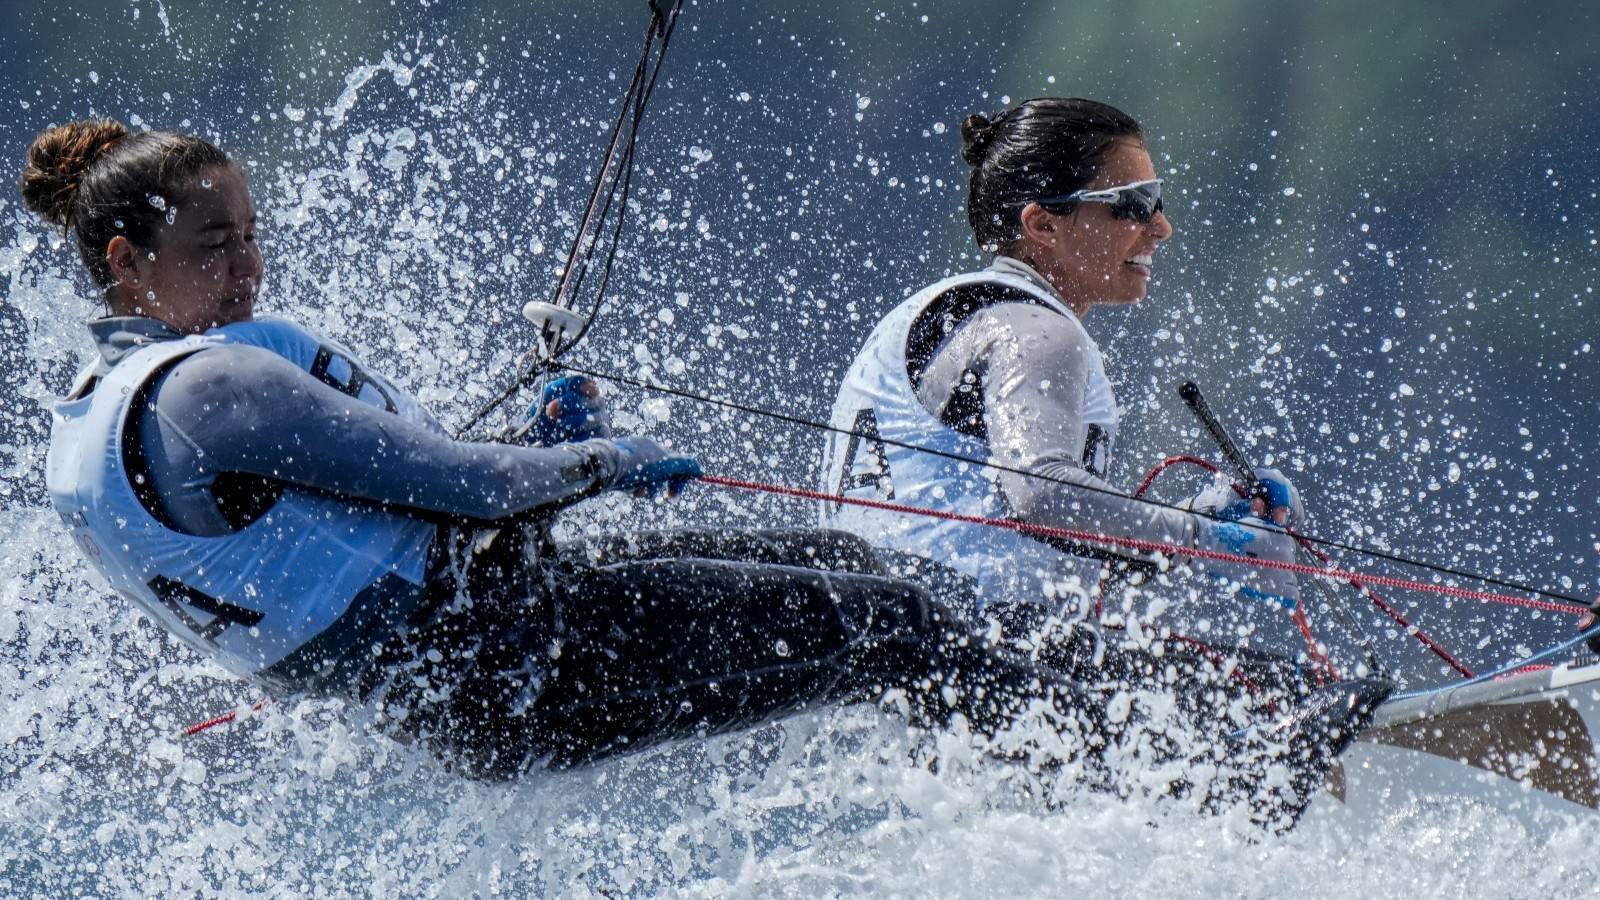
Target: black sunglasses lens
1139	204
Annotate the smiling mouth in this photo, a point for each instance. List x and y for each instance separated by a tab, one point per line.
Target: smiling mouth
1143	264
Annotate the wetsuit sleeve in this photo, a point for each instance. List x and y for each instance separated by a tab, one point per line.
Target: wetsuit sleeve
247	410
1031	370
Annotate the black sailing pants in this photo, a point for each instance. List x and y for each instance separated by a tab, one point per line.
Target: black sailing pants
619	645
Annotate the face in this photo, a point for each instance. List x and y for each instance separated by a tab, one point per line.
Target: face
205	269
1088	254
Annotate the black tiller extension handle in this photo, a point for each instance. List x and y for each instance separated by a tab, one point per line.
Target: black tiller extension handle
1242	469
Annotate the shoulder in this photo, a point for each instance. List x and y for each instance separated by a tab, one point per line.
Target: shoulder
239	370
1030	323
945	306
1016	342
985	303
289	340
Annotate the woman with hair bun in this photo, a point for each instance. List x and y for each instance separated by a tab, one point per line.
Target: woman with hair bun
302	520
996	365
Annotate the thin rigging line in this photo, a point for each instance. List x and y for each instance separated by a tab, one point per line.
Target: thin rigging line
810	423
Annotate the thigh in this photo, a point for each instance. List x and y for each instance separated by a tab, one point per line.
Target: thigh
668	649
620	658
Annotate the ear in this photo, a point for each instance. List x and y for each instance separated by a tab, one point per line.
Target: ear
1038	224
126	262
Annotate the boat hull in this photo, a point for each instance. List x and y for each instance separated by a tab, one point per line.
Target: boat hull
1523	746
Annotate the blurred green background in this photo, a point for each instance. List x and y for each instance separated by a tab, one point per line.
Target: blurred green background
1383	270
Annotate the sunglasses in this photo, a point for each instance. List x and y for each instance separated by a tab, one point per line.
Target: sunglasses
1138	202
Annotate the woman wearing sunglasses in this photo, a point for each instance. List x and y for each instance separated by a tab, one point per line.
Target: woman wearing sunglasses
996	365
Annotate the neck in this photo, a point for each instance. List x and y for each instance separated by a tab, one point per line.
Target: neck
120	301
1050	276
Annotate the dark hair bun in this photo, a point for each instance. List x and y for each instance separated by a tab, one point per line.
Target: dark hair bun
56	162
976	131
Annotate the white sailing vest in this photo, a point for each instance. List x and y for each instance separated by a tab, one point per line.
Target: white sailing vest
878	403
253	597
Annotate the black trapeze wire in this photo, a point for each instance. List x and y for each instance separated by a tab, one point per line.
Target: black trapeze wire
613	183
1001	467
645	92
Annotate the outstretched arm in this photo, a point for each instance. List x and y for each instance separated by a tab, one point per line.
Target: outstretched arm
246	410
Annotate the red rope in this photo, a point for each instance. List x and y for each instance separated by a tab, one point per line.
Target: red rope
1321	664
1358	580
1171	461
1389	610
208	724
1372	596
1323	667
1217	660
1148	546
1149	479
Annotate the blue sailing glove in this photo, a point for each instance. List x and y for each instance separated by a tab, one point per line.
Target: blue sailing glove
1281	505
1253	528
569	409
644	467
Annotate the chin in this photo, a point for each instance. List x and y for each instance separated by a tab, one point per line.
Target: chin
1129	297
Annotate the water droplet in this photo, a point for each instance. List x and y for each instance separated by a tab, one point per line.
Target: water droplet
158	201
205	182
781	647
